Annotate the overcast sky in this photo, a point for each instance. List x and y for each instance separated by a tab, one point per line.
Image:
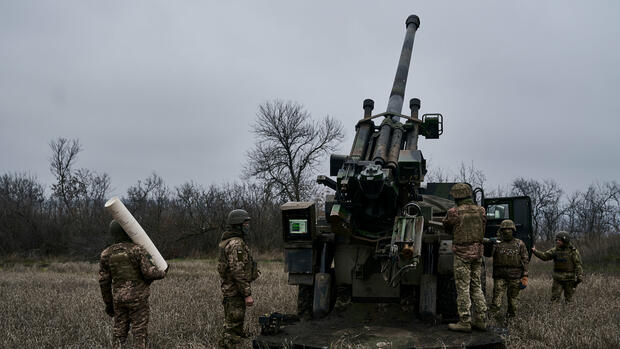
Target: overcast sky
527	89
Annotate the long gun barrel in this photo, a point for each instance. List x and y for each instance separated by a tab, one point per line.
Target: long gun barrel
397	96
391	133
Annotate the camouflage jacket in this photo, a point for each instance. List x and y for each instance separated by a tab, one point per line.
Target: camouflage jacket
453	224
235	265
566	262
510	259
125	273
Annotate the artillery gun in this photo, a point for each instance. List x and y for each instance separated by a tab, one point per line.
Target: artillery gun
376	265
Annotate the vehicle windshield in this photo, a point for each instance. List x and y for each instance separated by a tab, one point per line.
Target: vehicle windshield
498	211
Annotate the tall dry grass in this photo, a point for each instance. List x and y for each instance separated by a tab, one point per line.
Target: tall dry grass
591	321
58	305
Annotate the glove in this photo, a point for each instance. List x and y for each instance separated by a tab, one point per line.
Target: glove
167	268
490	240
523	283
109	309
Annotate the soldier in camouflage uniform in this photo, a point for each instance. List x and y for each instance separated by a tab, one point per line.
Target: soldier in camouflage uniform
237	270
510	261
567	268
125	274
466	222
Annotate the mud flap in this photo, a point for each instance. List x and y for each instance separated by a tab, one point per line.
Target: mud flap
322	291
322	288
428	294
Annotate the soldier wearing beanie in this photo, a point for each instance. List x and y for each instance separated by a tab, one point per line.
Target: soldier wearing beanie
126	272
567	268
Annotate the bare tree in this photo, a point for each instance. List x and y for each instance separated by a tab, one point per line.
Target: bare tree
199	215
21	205
551	219
149	198
571	212
498	192
81	192
545	198
595	212
64	155
469	174
288	147
199	211
436	175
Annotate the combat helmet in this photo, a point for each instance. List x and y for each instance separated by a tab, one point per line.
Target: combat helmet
563	236
118	233
507	224
506	229
237	216
460	191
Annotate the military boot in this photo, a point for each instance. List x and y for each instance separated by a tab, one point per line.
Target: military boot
139	343
495	315
119	343
460	326
479	323
343	298
226	342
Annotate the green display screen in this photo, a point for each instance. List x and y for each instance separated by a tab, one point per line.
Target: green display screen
298	226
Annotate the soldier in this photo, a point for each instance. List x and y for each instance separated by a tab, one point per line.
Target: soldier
567	268
237	270
466	222
510	260
125	274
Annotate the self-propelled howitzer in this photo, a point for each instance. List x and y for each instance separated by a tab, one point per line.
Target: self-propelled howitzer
378	240
377	254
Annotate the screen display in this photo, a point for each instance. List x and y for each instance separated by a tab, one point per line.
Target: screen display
298	226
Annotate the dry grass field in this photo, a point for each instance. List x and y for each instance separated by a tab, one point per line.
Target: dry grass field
58	305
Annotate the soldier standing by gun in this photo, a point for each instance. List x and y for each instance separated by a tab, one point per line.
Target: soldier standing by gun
510	261
237	270
567	268
125	275
466	222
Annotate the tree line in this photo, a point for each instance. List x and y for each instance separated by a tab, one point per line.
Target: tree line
70	221
68	218
585	214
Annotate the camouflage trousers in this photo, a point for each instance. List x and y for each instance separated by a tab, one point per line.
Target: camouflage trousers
509	287
134	315
234	315
558	286
469	288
